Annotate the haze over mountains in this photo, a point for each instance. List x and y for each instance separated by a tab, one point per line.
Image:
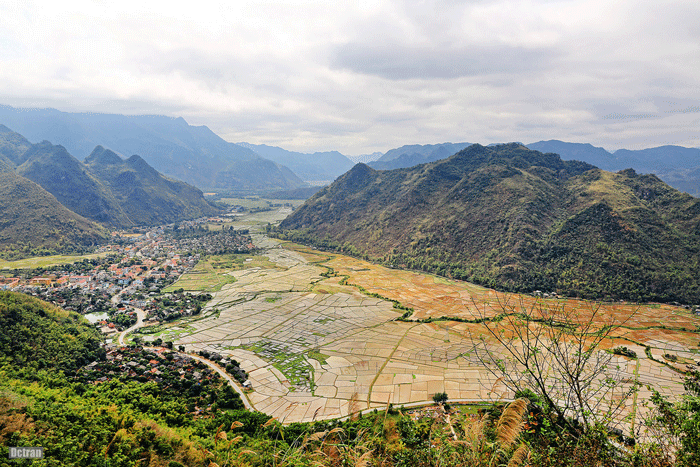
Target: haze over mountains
198	156
316	167
410	155
189	153
51	200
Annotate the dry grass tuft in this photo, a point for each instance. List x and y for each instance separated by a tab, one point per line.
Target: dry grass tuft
511	422
354	406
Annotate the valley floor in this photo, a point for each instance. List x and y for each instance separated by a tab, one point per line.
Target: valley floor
319	346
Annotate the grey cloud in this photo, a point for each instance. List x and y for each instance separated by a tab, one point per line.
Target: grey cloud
217	71
662	106
399	62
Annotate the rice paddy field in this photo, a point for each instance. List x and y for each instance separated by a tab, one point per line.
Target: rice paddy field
46	261
320	335
213	272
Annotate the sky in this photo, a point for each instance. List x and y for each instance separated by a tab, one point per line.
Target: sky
367	76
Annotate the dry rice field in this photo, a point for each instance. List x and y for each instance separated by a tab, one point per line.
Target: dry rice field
319	336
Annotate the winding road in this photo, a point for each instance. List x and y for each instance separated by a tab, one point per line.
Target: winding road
140	314
224	375
140	323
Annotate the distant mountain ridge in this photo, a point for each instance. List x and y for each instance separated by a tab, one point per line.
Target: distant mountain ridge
319	166
193	154
676	165
414	154
106	189
515	219
365	158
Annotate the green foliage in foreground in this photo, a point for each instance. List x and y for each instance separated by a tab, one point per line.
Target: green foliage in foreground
130	424
174	422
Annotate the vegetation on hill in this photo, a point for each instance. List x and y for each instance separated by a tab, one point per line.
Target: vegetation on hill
676	165
33	222
72	184
115	192
144	195
518	220
12	146
37	335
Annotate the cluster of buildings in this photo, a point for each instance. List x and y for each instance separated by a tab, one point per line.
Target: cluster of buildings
130	273
137	263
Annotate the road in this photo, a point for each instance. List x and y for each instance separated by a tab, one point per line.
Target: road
219	370
224	375
140	315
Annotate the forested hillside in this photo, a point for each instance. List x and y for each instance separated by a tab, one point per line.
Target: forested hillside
33	222
518	220
36	335
144	195
107	189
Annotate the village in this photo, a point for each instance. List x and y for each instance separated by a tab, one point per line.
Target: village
170	372
131	273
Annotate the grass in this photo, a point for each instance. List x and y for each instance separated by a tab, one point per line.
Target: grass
255	202
329	288
211	273
46	261
201	279
470	409
318	356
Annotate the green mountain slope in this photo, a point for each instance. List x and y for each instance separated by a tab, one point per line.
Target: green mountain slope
71	183
32	220
146	196
12	146
515	219
37	335
676	165
106	189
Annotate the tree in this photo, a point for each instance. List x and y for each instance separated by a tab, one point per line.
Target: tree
674	426
440	397
555	352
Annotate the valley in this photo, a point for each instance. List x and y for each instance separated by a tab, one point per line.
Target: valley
320	336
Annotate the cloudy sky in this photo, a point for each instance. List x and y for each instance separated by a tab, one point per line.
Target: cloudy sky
368	76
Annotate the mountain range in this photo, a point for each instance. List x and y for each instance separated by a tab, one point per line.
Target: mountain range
193	154
676	165
199	157
52	200
414	154
515	219
317	167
